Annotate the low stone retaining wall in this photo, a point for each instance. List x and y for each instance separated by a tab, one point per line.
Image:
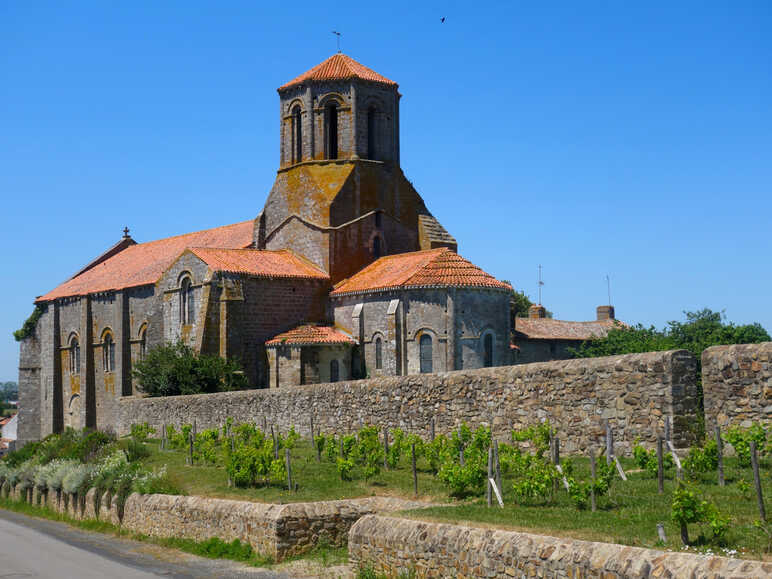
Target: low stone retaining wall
634	391
390	545
737	385
278	531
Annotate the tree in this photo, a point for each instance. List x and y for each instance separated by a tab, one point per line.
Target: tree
519	303
174	369
702	329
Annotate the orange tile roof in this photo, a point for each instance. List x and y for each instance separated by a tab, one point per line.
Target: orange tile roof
549	329
439	267
338	67
310	335
144	263
259	263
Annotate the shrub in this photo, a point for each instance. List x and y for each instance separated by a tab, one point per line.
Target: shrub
77	478
740	439
175	369
136	450
687	508
154	482
703	459
142	432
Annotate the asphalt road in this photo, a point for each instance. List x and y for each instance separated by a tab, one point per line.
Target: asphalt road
31	547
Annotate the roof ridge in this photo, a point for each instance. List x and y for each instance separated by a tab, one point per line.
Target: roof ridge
146	243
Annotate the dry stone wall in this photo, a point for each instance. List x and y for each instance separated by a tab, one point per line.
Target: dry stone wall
737	385
634	391
390	545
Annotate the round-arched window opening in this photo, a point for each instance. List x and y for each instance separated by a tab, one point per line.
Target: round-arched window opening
488	350
425	347
74	355
297	121
187	302
331	130
378	353
108	353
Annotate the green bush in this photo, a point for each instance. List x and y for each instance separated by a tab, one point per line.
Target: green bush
740	439
175	369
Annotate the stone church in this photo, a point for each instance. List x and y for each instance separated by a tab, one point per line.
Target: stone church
344	274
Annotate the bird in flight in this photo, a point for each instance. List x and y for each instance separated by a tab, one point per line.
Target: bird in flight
442	20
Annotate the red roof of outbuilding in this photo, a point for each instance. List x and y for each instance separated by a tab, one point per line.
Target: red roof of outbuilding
143	264
439	267
310	335
549	329
259	263
339	67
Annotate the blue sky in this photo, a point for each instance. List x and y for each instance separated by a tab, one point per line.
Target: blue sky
594	138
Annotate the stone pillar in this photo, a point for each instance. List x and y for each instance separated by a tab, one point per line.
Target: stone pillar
87	386
58	394
122	335
309	99
450	321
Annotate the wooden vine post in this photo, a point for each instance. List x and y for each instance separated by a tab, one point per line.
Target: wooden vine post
385	448
593	476
609	443
190	449
757	481
488	489
497	465
415	472
289	468
720	453
660	466
431	430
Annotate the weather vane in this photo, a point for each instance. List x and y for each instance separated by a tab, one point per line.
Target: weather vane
540	283
608	288
338	35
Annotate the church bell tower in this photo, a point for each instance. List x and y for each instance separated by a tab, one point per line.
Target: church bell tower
340	109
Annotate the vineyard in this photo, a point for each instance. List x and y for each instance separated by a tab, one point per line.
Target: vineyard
705	499
616	500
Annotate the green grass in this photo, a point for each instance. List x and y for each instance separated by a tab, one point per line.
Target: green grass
628	514
316	481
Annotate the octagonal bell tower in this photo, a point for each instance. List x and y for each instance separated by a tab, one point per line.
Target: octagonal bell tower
340	109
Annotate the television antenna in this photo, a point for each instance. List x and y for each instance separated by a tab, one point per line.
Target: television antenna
539	283
608	288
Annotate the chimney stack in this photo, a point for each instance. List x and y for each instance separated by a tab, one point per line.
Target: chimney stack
537	311
605	313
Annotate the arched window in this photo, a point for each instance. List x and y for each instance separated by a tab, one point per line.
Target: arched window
74	355
297	121
378	353
377	247
425	347
108	352
371	154
331	122
142	342
187	302
334	371
488	350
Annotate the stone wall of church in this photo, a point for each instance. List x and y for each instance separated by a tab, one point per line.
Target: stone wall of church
635	392
436	313
30	390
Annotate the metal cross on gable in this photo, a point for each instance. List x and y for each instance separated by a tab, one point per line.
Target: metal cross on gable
125	232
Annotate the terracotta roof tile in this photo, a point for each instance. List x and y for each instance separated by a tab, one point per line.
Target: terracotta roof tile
339	67
309	335
439	267
144	263
549	329
259	263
